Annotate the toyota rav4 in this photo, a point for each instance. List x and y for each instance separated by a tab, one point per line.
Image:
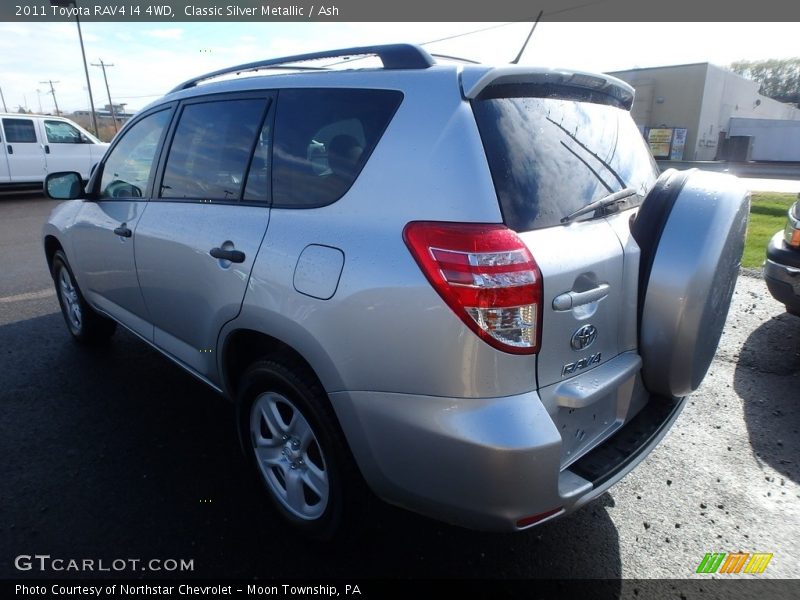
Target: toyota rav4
464	289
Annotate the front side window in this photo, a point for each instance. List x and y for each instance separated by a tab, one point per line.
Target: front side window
127	169
323	139
59	132
211	149
19	131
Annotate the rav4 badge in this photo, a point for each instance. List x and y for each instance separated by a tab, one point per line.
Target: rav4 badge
570	368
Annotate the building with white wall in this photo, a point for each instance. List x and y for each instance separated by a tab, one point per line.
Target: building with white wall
712	104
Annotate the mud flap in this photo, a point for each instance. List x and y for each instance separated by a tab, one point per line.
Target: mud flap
691	230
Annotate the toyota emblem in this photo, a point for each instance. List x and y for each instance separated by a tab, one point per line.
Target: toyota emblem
584	337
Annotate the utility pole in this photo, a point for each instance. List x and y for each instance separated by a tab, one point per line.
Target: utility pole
53	92
4	100
86	70
103	66
83	54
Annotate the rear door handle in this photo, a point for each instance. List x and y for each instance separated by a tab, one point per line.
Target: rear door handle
10	149
123	231
569	300
46	149
234	256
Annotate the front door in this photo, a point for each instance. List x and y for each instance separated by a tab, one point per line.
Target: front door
197	242
66	148
105	227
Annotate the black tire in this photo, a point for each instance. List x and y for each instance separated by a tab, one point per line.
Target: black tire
267	383
86	325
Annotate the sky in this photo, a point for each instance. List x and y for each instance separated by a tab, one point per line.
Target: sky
151	58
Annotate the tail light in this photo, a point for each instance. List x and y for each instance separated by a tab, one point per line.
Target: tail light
487	275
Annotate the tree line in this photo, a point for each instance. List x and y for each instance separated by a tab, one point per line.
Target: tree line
779	77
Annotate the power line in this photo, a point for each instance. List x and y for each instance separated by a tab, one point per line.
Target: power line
140	96
498	26
473	32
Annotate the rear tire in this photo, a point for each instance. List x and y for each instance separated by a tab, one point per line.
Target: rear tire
83	322
292	439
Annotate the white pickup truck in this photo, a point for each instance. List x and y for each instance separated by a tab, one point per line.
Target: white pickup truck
35	145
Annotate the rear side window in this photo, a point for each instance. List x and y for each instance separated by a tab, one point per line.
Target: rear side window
551	156
211	149
19	131
323	138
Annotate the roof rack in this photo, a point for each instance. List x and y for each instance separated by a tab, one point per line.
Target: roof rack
393	56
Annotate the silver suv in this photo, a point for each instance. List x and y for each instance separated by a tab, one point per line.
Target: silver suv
462	288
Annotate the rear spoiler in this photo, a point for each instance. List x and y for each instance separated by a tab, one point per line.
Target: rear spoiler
475	81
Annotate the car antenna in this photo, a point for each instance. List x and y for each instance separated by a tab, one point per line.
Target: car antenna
528	39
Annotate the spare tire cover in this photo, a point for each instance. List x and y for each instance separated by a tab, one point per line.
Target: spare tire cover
690	230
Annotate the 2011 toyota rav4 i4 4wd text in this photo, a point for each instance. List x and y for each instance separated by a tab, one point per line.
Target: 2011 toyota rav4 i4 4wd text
465	287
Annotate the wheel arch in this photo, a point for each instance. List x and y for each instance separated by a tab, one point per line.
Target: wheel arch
51	246
242	346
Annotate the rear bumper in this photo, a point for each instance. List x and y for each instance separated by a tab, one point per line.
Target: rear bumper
488	464
782	272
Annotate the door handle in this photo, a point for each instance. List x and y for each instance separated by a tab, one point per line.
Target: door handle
569	300
123	231
234	256
46	149
10	149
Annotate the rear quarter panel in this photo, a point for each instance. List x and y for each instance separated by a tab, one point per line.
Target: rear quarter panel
386	329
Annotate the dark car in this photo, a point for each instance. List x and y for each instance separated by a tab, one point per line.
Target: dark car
782	267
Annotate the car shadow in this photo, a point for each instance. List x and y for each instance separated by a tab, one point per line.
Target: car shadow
116	452
771	409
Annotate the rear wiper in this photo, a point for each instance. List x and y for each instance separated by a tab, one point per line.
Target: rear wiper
602	203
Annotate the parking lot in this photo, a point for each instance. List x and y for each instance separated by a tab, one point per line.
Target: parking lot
117	453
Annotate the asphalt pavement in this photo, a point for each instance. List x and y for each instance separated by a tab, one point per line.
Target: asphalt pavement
117	453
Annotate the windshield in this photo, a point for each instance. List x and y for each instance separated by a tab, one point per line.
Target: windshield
549	157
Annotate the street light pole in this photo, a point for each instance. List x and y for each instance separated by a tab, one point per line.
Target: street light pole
83	54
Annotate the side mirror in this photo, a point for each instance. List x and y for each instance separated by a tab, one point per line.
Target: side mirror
66	185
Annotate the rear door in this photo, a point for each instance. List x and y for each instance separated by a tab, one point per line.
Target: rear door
24	150
198	239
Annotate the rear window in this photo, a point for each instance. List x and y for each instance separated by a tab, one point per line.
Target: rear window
551	156
323	138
